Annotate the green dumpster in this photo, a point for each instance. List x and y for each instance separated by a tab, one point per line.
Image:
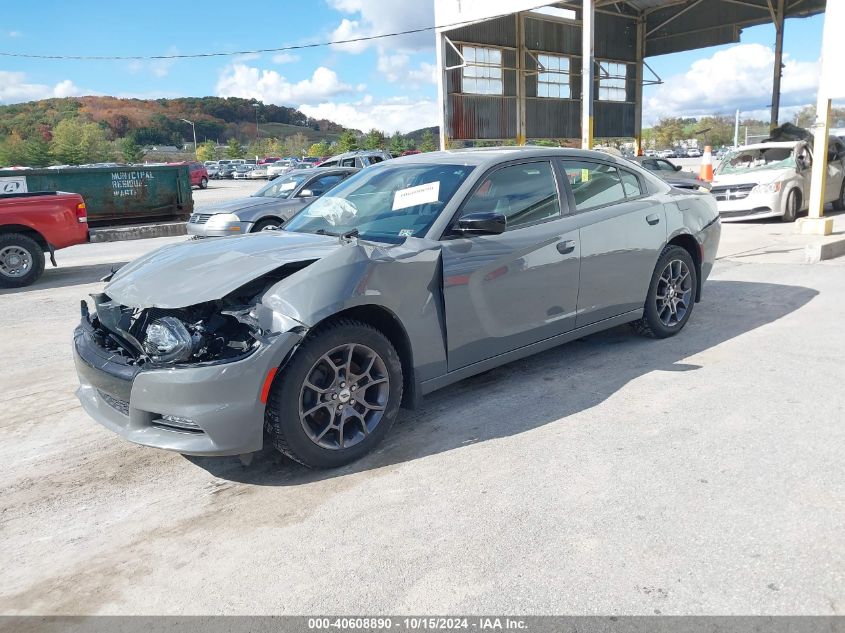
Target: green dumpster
114	195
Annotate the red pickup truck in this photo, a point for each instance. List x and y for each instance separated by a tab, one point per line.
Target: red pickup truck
32	223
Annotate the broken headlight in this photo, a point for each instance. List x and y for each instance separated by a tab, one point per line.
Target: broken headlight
168	340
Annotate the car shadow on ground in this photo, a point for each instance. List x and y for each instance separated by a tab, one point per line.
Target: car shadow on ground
550	386
67	276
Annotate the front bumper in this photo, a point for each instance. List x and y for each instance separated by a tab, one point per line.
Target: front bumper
222	401
752	207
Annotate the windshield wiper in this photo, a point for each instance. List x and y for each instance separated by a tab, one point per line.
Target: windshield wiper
325	232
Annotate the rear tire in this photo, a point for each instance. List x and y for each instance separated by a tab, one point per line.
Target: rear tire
203	183
337	398
792	206
21	260
671	295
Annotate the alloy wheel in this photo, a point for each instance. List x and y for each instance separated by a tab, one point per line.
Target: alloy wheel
674	293
15	261
344	396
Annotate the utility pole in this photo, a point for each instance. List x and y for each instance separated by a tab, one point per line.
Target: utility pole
736	130
194	129
256	106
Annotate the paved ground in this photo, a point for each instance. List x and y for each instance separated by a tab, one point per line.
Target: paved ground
223	190
701	474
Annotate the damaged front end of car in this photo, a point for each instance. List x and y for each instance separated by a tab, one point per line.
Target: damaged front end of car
191	379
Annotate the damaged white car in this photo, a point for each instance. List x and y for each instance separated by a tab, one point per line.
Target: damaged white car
770	180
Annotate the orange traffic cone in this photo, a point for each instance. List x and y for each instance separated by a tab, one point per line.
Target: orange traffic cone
706	171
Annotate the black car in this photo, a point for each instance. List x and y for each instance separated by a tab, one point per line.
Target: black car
670	172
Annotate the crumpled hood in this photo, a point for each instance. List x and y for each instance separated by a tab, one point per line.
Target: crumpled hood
239	204
196	271
757	177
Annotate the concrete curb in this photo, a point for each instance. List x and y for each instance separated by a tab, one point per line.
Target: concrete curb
136	232
819	251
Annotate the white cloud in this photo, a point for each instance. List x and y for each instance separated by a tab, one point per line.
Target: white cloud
14	34
240	80
739	77
395	69
397	113
14	88
155	67
377	17
285	58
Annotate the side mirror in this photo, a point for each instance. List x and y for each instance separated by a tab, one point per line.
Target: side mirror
482	223
305	193
677	168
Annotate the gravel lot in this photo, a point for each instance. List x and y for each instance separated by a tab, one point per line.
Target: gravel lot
697	475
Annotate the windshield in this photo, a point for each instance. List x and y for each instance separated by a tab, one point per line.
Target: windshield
744	160
282	187
384	203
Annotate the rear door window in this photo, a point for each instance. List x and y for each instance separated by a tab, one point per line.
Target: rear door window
631	184
593	184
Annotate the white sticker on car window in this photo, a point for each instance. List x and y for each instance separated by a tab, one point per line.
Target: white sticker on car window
406	233
412	196
287	186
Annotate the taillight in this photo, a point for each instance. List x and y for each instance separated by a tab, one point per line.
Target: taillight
81	213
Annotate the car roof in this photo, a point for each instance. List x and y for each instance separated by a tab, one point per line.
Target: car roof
488	156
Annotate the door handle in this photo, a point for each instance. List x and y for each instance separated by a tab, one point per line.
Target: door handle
566	247
652	219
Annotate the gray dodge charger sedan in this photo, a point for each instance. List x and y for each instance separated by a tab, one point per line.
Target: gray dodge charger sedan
269	207
406	277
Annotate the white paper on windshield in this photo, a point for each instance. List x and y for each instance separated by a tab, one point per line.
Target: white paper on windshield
287	186
412	196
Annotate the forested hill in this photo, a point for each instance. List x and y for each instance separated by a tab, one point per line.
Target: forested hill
155	121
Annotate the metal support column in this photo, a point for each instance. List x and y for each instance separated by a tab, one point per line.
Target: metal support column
440	53
780	12
638	88
587	66
520	80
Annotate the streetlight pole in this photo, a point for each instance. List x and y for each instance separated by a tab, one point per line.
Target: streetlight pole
256	106
194	129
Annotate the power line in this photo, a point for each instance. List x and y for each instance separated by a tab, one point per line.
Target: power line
257	51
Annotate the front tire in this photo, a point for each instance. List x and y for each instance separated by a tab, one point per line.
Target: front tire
21	260
265	225
337	398
671	295
792	206
839	203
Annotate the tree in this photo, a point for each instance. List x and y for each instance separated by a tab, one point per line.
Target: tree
206	151
36	152
318	150
374	139
427	144
12	150
397	143
76	142
347	142
132	153
234	149
296	145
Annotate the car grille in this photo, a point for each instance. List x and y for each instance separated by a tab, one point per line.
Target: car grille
121	406
732	192
200	218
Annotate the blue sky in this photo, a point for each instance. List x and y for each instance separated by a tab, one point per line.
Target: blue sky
386	83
